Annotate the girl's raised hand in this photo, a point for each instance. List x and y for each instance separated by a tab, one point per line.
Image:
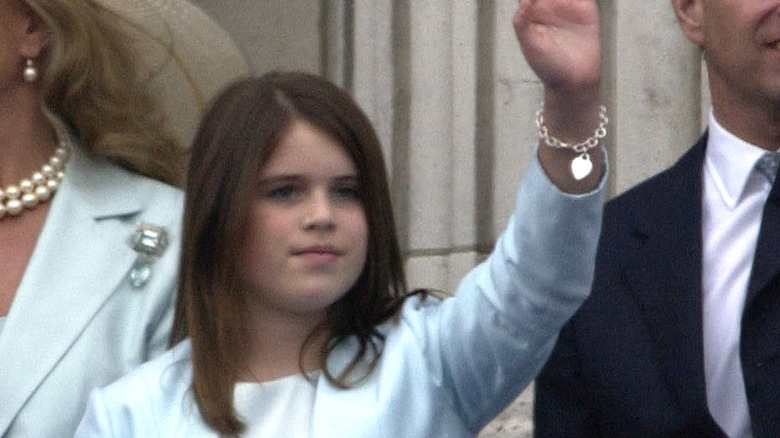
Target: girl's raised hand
560	41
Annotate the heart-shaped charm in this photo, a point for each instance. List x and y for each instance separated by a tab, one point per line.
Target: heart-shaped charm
581	166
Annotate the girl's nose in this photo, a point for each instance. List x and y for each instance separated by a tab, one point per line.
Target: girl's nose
319	213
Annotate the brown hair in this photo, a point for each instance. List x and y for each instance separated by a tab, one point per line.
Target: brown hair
90	77
239	133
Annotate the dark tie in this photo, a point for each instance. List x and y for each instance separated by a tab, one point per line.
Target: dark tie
768	164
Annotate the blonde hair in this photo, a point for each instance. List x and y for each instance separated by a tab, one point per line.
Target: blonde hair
90	77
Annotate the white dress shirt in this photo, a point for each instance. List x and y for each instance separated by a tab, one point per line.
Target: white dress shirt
733	201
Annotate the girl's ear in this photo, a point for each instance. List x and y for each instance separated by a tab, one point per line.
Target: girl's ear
36	37
689	14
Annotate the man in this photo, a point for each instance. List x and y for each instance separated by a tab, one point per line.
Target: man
681	335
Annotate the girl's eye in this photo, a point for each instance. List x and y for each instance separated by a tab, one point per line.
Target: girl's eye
282	192
348	192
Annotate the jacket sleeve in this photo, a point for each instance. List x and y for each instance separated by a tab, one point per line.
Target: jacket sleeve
488	342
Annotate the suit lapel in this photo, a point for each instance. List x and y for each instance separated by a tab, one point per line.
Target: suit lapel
80	257
666	272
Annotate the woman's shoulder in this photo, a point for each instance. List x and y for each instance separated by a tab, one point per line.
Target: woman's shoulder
84	167
109	186
135	181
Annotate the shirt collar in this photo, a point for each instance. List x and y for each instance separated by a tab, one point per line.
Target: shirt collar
730	161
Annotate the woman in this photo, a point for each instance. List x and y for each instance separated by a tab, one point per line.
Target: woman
293	317
89	219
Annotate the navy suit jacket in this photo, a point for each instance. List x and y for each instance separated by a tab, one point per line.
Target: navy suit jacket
630	363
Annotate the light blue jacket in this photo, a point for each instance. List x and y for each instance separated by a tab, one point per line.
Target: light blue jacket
76	322
448	367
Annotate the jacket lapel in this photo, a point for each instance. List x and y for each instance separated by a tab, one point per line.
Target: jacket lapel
77	262
666	272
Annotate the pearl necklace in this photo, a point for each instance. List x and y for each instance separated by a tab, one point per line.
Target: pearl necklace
40	187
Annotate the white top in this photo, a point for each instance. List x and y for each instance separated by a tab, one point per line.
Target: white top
2	321
733	202
284	404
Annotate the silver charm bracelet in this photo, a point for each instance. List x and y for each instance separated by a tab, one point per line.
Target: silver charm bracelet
581	165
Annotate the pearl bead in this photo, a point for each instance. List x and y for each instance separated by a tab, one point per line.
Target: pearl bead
26	186
12	192
42	193
47	170
38	178
14	207
30	73
29	200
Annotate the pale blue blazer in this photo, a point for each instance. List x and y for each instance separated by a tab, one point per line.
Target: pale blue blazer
76	322
448	367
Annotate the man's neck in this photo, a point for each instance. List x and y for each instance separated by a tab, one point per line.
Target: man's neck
756	122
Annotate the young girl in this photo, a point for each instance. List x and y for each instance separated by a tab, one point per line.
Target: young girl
293	317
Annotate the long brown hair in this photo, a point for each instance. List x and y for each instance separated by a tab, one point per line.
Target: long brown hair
90	77
239	133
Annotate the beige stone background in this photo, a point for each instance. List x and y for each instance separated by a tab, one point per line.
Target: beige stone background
453	101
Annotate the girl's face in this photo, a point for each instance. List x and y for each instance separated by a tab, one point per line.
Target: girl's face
307	237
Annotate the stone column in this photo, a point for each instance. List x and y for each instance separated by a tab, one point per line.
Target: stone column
412	67
441	140
655	90
273	34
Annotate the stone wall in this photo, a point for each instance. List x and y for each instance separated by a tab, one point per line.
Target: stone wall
453	102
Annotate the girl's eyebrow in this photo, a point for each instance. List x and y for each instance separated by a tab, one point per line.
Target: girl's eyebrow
348	178
283	177
293	175
279	177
